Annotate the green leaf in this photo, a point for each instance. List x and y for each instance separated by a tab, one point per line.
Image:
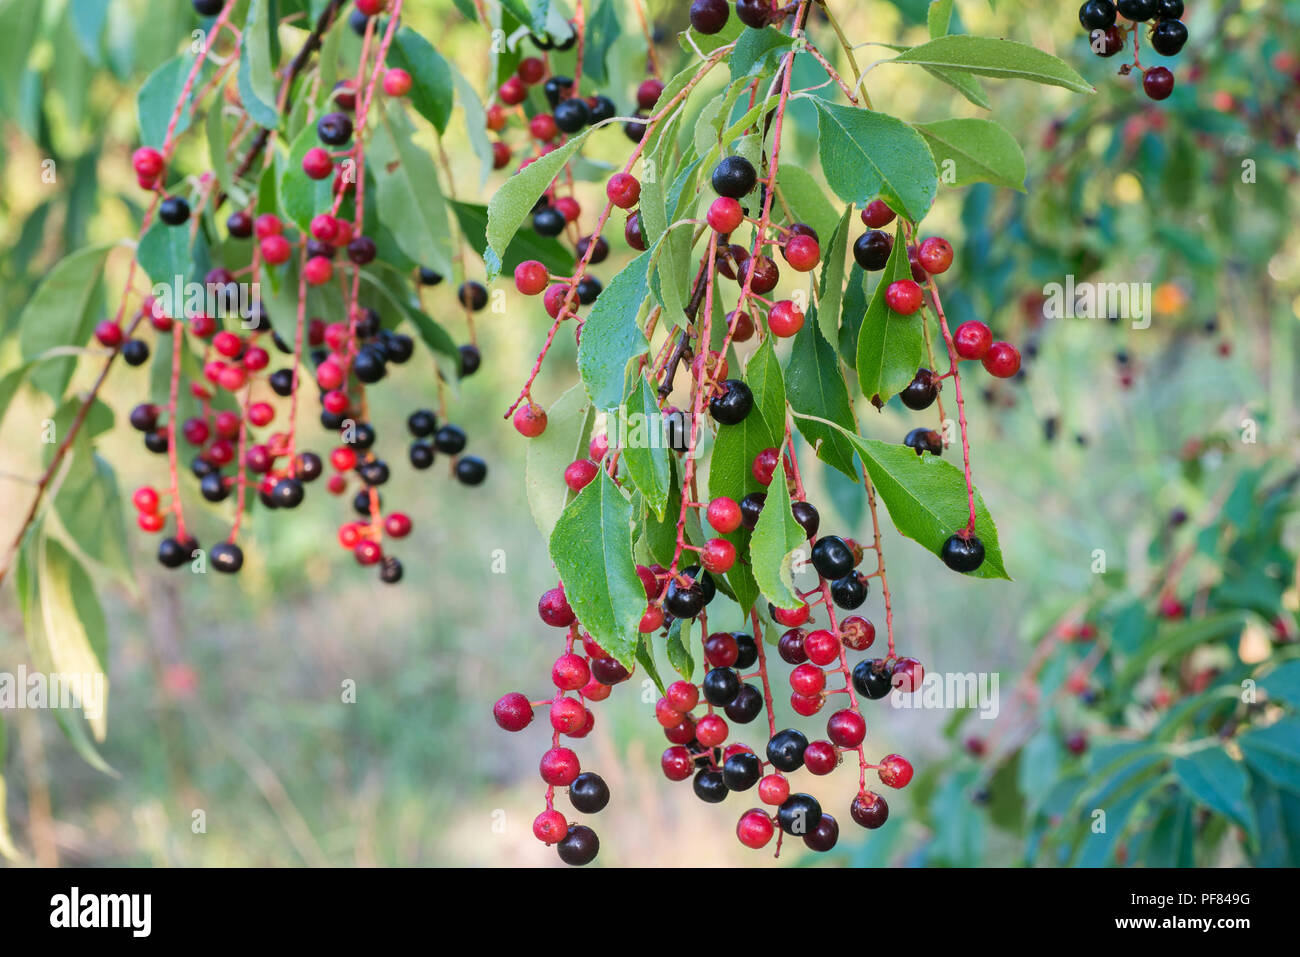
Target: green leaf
776	539
257	86
410	200
90	508
645	453
980	151
679	648
591	547
865	154
165	252
1282	683
568	432
478	138
963	83
1274	752
301	197
815	386
754	47
806	198
646	659
603	29
157	100
433	91
512	203
611	337
214	124
1215	780
547	250
1001	59
61	313
926	497
830	290
890	347
938	17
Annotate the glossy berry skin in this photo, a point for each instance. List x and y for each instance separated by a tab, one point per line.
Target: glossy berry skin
718	555
921	392
1168	37
820	757
741	771
316	163
553	607
1158	83
579	474
825	836
709	16
1002	360
785	749
174	211
924	440
869	810
832	557
623	190
683	601
1169	9
807	517
907	674
1097	15
589	793
725	215
720	687
799	814
935	255
721	649
723	515
821	647
1137	10
904	297
972	339
751	506
513	712
397	82
846	728
677	764
764	466
531	277
746	706
857	633
754	829
734	176
710	787
732	403
850	591
785	319
580	846
572	115
871	679
877	213
802	253
962	553
807	679
895	771
559	767
871	250
570	672
227	557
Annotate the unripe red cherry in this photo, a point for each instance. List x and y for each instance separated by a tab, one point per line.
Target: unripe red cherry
907	675
316	163
345	460
821	646
530	420
550	827
895	771
784	319
368	552
580	473
109	333
847	728
806	705
791	617
145	499
765	466
260	413
773	789
754	829
820	757
372	8
742	326
807	679
531	277
495	118
531	70
711	730
723	514
542	127
553	606
718	555
276	249
725	214
652	620
877	214
623	190
647	94
677	764
1002	360
569	207
593	690
857	633
802	253
398	525
147	162
512	92
268	224
903	296
570	672
1158	82
559	766
397	82
721	649
500	155
683	696
317	271
666	714
972	339
935	254
553	300
512	711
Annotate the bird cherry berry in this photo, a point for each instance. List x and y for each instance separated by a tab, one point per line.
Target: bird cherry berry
755	828
725	214
316	163
1158	83
530	420
764	466
397	82
822	647
907	675
846	728
579	474
512	712
559	766
972	339
820	757
935	255
904	297
895	771
147	163
802	253
1002	360
807	679
869	810
623	190
723	514
647	94
857	633
784	319
550	827
718	555
682	696
553	607
877	214
773	789
531	277
677	763
711	730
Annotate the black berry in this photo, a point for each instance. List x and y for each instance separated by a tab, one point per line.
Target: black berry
963	554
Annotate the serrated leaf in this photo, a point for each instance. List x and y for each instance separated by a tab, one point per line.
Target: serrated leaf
478	138
603	29
815	385
981	151
611	337
513	202
890	347
830	288
865	154
754	47
591	547
433	91
644	451
60	313
549	251
776	539
90	508
806	198
1214	779
998	58
257	66
568	432
411	202
158	97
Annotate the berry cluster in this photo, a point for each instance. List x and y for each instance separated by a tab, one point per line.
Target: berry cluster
1167	34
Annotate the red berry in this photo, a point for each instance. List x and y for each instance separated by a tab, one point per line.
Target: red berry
677	764
554	298
754	829
276	249
652	620
260	413
550	827
268	224
725	214
367	552
397	82
847	728
569	207
802	253
857	633
907	675
666	714
784	319
530	420
109	333
683	696
397	525
935	254
512	711
530	277
877	213
718	555
807	679
773	789
1158	82
903	296
570	672
972	339
742	327
895	771
531	70
623	190
647	94
822	647
765	466
869	810
806	704
721	649
317	271
512	91
723	514
371	8
1002	360
542	127
820	757
316	163
791	617
559	766
500	155
580	473
148	162
711	730
568	715
553	607
145	499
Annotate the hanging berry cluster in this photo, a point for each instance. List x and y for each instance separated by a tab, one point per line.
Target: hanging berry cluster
715	209
1111	25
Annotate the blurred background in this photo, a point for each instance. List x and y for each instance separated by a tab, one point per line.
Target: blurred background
228	694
